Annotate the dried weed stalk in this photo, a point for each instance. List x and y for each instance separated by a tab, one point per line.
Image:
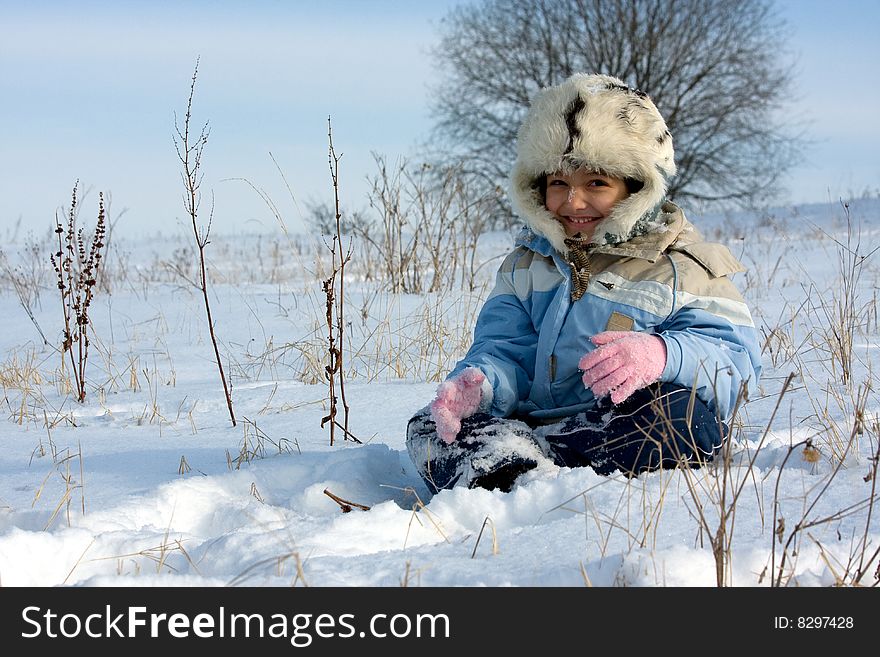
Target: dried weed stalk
190	150
334	292
76	268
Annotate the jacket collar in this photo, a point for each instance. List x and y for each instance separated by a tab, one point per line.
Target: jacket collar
531	240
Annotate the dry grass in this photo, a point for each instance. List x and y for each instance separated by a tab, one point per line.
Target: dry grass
257	444
69	468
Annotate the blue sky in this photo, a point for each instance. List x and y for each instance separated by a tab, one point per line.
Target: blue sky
89	91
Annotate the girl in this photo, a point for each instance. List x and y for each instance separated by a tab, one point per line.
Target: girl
613	337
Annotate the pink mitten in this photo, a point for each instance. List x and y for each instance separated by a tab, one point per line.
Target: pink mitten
457	398
624	362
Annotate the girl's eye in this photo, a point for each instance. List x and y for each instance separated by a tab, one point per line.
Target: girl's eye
556	182
598	182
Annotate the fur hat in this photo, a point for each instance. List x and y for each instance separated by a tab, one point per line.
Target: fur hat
598	123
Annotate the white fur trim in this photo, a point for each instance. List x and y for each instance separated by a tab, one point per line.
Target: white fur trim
594	122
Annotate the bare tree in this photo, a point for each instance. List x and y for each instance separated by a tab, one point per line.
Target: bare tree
716	69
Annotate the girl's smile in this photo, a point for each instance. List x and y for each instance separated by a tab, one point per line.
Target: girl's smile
581	199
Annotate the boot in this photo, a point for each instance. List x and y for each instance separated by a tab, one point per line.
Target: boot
489	452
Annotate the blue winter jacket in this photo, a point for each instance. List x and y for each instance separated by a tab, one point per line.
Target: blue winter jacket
531	334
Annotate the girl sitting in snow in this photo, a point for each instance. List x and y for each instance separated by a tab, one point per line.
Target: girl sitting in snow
613	337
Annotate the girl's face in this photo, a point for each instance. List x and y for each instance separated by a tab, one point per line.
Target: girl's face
581	199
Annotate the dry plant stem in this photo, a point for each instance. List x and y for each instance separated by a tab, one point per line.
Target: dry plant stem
721	538
78	561
82	479
300	573
863	565
345	505
845	314
278	562
486	521
804	523
76	269
404	583
340	314
335	307
419	505
587	582
333	353
190	154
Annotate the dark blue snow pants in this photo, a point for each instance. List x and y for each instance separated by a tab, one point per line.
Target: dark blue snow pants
661	426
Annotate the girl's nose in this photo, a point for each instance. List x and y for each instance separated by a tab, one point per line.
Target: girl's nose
576	197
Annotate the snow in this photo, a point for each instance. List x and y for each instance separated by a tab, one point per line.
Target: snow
148	483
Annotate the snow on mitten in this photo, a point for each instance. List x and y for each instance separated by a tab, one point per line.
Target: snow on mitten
457	398
624	362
